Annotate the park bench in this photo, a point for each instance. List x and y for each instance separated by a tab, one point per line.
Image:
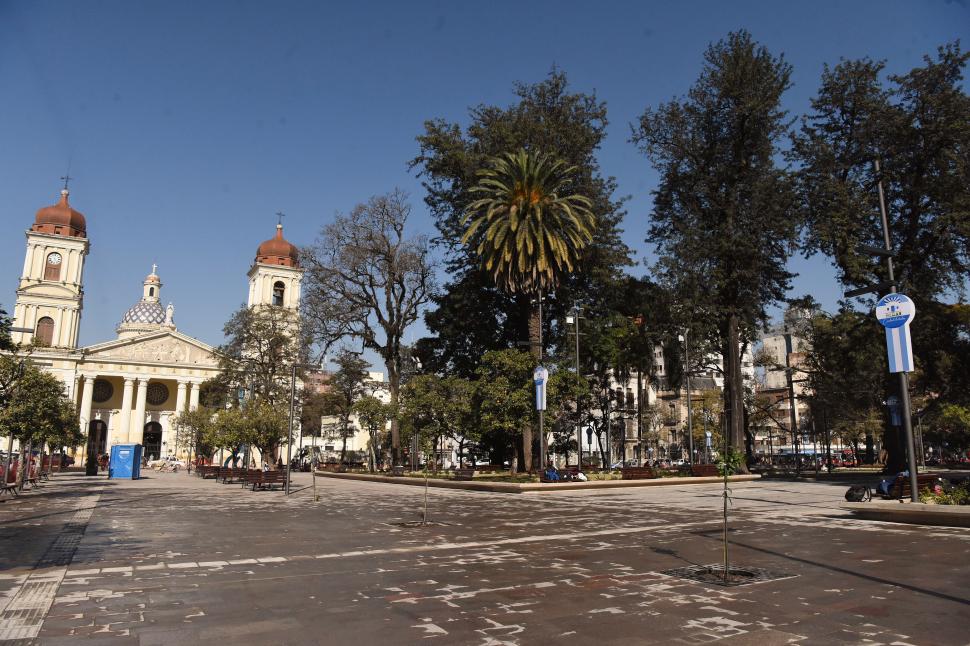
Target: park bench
464	474
900	488
488	468
205	471
265	479
229	475
637	473
704	470
397	471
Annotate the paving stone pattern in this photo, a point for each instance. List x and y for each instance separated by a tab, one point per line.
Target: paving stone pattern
171	559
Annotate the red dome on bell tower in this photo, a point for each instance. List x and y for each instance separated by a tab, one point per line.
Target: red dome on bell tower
278	251
60	219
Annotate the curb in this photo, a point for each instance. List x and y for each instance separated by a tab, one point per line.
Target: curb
912	513
533	487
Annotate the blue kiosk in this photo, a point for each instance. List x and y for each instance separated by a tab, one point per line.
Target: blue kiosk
125	462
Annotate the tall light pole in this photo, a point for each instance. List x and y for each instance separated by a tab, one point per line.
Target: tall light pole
579	431
903	375
289	437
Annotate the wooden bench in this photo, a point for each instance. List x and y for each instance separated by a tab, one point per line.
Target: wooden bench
9	486
397	471
229	475
266	479
637	473
205	471
900	488
704	470
488	468
464	474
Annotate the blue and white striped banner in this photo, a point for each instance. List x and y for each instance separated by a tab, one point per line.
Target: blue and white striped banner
900	348
895	312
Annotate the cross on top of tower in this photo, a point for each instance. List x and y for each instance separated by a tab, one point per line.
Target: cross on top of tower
67	178
280	215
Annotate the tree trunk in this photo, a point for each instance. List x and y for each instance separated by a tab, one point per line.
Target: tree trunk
535	332
394	384
733	385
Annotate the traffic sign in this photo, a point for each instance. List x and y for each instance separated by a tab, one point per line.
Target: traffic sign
540	376
895	312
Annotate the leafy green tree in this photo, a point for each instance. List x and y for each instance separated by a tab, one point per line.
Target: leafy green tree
36	411
266	426
506	403
472	315
915	126
262	345
192	429
846	374
227	431
346	385
6	342
373	415
528	233
725	220
435	407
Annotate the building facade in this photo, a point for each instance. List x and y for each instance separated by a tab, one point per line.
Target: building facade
130	389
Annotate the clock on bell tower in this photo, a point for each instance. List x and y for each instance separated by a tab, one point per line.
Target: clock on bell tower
51	291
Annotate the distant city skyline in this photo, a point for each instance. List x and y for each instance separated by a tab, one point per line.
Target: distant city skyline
186	127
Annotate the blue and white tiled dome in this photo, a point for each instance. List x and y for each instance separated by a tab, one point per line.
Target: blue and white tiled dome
145	312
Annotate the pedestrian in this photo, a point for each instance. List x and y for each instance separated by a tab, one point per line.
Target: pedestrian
279	463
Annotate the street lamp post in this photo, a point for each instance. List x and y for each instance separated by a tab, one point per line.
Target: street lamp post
289	437
579	431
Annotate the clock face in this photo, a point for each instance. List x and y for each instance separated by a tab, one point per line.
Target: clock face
54	259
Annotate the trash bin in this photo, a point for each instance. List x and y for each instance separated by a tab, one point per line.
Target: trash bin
125	462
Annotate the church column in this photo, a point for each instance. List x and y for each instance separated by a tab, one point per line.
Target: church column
194	396
180	398
137	434
124	426
87	396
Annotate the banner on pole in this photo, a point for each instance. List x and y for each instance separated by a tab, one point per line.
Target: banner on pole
540	376
895	312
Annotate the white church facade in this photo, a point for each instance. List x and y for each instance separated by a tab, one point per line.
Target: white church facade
129	389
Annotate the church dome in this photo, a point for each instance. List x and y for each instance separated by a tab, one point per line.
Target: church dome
60	219
278	251
145	312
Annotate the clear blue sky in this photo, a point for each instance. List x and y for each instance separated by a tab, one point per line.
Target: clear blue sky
189	124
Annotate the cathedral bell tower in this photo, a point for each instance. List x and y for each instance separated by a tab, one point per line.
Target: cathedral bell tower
51	291
275	276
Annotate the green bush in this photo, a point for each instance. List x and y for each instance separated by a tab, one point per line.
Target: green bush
959	495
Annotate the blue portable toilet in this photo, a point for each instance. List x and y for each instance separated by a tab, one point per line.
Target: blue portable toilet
125	462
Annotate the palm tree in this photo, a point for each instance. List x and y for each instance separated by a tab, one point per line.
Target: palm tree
528	231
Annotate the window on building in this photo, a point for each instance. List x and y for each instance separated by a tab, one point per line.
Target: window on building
44	335
278	290
151	291
52	270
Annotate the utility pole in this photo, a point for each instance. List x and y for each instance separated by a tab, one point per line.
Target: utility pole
542	432
903	375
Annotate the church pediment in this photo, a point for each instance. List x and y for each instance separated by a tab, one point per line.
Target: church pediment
166	347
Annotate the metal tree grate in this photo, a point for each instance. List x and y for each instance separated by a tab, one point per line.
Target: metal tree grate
738	575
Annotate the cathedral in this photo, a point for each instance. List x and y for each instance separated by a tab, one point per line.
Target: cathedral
129	389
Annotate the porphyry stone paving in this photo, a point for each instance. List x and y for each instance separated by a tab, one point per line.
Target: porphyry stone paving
173	559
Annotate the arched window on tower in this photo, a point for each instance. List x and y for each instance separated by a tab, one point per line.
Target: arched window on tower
44	335
52	270
279	289
151	291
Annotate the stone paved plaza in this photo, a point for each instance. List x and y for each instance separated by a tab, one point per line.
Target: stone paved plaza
171	559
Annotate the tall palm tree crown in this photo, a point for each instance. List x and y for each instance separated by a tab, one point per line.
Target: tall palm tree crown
525	229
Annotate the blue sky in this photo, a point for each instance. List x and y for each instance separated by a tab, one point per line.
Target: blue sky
188	125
